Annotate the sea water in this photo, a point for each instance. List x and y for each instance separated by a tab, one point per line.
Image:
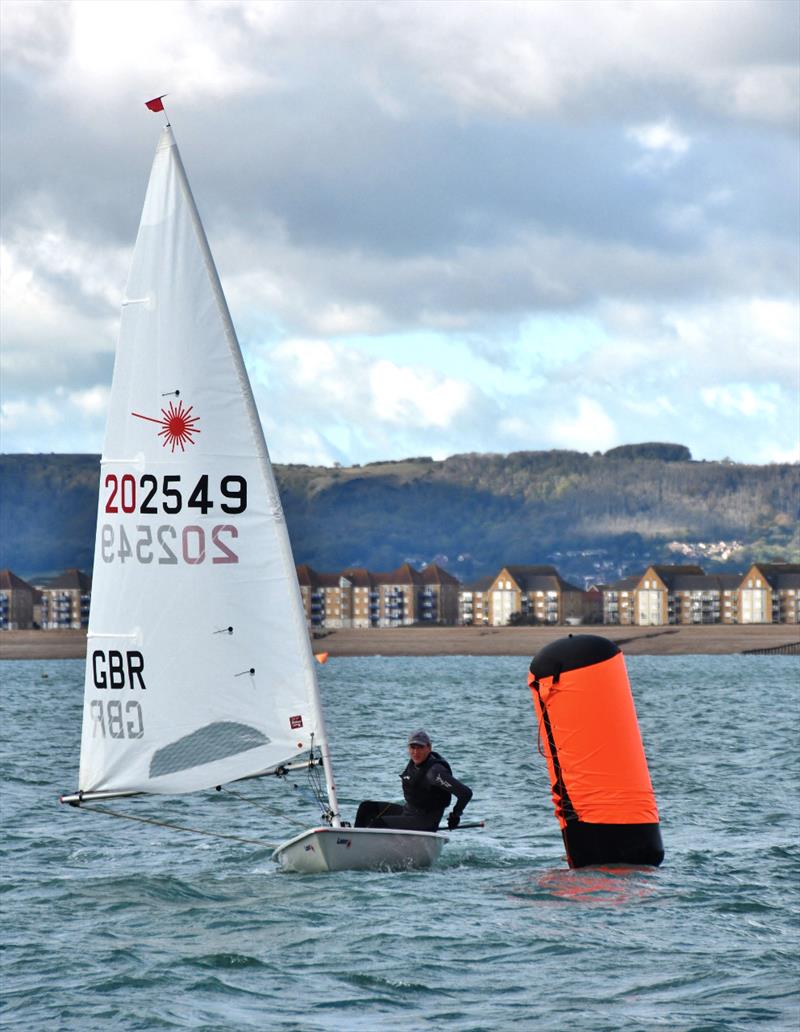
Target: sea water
110	924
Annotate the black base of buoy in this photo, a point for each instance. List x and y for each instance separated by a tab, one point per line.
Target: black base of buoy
588	844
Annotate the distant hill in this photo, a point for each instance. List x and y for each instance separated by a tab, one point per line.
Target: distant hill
48	507
593	516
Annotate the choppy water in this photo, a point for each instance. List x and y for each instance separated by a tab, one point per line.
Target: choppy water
114	925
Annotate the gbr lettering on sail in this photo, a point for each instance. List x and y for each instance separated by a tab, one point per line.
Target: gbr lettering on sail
113	670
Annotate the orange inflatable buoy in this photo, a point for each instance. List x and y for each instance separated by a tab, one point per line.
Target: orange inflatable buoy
601	786
321	657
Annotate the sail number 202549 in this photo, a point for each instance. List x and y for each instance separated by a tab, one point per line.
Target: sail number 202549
151	495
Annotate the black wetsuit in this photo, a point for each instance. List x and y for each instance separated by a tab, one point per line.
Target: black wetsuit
427	789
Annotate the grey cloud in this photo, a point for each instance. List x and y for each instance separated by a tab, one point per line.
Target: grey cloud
26	372
480	289
41	36
426	165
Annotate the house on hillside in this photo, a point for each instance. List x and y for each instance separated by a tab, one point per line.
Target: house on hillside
65	601
538	593
473	603
770	593
17	599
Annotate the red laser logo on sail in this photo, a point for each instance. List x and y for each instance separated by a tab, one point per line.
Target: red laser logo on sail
177	425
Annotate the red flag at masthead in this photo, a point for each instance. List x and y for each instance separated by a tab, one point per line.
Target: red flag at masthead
156	103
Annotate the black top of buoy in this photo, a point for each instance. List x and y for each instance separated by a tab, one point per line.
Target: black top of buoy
571	653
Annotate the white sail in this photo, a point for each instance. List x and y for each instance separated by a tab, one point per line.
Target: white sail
199	667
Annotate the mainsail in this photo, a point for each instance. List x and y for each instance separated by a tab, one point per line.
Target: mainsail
199	667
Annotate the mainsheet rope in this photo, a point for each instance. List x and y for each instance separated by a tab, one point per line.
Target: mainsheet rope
178	827
201	831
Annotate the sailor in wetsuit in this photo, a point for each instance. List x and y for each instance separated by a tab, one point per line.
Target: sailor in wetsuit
428	784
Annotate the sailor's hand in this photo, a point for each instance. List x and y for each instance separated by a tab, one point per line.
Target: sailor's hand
453	820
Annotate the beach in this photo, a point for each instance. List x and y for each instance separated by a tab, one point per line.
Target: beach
712	639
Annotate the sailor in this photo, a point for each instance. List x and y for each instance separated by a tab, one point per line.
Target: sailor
428	785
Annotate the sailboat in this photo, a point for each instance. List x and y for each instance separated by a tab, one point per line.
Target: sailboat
200	670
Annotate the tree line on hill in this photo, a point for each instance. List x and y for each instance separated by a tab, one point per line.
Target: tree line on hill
594	516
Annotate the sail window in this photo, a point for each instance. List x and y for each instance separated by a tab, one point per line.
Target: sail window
206	745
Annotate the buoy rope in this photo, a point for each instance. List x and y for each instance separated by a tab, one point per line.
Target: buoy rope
178	827
560	788
539	746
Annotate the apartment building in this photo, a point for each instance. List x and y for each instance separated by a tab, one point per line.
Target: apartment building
17	600
729	595
361	599
618	601
770	593
473	603
397	596
65	601
654	597
439	601
705	599
327	598
538	593
365	598
407	596
767	593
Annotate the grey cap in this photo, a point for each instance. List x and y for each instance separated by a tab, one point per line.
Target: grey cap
419	738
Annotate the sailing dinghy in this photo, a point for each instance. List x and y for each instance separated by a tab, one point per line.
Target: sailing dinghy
199	665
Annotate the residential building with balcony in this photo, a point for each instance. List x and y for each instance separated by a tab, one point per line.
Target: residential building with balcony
703	599
538	593
654	597
327	598
438	596
729	597
770	593
365	597
359	598
618	601
473	603
65	601
17	599
398	596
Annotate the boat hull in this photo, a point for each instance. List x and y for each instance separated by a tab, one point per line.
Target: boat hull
358	849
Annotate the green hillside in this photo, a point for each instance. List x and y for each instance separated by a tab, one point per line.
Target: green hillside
594	516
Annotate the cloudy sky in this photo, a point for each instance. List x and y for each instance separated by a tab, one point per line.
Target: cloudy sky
441	226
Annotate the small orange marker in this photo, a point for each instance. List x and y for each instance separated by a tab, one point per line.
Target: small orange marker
321	657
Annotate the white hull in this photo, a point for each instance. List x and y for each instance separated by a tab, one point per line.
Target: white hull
358	849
